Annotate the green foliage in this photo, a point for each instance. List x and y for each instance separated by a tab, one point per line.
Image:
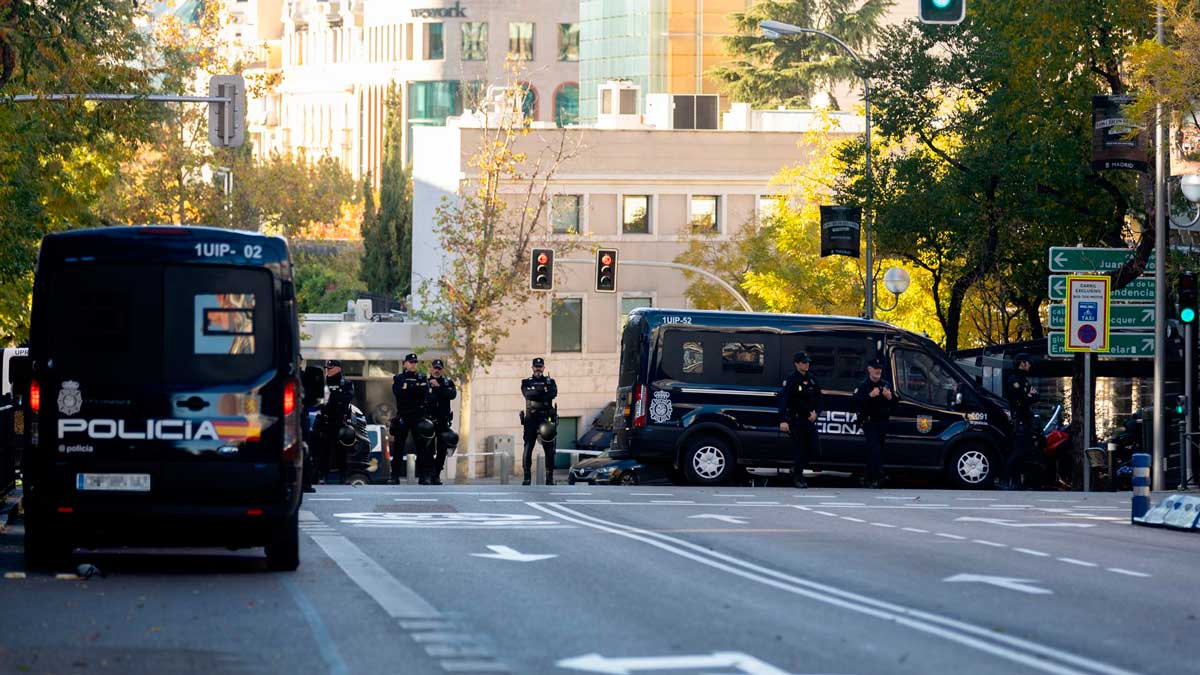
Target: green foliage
326	277
387	233
790	70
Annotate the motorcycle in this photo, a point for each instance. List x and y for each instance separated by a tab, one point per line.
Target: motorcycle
350	447
1050	465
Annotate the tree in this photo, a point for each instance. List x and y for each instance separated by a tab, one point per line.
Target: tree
387	268
326	276
485	235
788	72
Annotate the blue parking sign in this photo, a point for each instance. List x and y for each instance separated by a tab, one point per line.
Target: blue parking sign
1088	311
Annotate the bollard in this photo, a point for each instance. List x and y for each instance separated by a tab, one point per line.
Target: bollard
505	471
1141	485
539	470
1112	467
411	466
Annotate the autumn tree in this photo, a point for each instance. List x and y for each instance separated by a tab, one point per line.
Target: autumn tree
387	232
485	234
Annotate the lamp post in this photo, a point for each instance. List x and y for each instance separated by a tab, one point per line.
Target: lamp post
775	29
896	280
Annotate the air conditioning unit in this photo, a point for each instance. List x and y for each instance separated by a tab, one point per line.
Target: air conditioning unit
619	106
683	111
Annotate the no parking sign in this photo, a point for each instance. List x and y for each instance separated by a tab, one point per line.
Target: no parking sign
1087	313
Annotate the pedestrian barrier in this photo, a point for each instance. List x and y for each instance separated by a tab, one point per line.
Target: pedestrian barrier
1141	486
1184	511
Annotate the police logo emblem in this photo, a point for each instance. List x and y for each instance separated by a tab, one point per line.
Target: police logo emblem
70	399
660	407
924	424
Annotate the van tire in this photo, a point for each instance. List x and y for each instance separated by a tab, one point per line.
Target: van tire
709	460
44	551
357	479
283	550
971	467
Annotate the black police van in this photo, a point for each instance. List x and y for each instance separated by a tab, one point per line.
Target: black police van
164	393
698	391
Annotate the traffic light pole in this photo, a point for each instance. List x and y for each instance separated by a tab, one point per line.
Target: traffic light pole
1157	473
1185	447
676	266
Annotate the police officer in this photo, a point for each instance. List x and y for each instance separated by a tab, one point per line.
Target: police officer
441	392
540	418
411	390
799	405
1021	396
875	398
339	396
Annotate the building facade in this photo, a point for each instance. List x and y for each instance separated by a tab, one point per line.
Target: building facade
646	192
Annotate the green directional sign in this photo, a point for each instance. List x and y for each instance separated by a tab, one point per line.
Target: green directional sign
1074	259
1139	290
1120	317
1121	345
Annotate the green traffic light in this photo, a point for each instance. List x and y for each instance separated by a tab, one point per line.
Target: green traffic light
941	4
1187	315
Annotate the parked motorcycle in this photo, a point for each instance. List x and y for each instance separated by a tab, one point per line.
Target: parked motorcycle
1050	466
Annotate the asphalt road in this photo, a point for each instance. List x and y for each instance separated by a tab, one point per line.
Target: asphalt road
509	579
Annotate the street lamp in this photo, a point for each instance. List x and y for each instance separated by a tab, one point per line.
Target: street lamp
773	30
896	280
1189	185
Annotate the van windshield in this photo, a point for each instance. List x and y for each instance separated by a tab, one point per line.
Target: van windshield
172	325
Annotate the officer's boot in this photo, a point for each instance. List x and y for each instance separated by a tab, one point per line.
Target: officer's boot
435	478
527	480
549	478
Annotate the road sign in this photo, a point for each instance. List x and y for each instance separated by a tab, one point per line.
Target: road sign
1120	345
1139	290
1075	259
1087	313
1120	317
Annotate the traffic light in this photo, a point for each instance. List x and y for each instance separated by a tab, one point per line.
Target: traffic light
1186	296
606	270
541	269
942	11
1180	404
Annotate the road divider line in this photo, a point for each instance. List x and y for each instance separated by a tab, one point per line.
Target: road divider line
1029	551
915	529
1015	649
1129	573
883	525
413	499
948	536
985	542
671	501
827	513
326	647
328	499
853	520
1081	563
398	600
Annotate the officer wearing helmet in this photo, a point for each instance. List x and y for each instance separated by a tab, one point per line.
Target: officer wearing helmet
411	390
441	393
330	421
539	420
1021	396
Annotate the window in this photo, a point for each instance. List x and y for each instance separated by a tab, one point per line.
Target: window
704	214
921	378
564	214
435	45
433	101
628	304
520	41
568	42
683	356
566	325
743	357
769	206
566	105
474	41
529	103
635	214
224	323
838	363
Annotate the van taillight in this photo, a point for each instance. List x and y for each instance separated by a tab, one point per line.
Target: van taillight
639	406
289	398
35	396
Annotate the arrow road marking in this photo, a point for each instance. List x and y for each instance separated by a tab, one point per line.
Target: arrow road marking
506	553
1011	583
744	663
734	520
1011	523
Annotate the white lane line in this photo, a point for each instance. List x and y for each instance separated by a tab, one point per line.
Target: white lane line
1059	501
826	513
760	503
442	637
1081	563
948	536
923	505
723	494
975	499
308	516
589	501
501	500
1126	572
883	525
474	667
853	520
413	499
1029	551
841	504
915	529
1018	650
651	494
985	542
455	651
569	494
328	499
671	501
398	600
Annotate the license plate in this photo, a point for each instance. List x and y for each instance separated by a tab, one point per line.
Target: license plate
120	482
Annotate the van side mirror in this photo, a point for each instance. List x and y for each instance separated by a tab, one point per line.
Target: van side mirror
313	382
958	398
20	372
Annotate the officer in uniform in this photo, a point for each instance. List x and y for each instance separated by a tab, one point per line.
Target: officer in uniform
539	419
441	392
799	405
1021	396
875	398
329	455
411	390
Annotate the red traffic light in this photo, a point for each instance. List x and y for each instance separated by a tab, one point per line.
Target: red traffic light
606	259
543	259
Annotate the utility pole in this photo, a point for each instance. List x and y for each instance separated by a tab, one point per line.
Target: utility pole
1158	475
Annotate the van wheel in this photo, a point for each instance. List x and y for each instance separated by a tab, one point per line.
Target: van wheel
43	550
971	468
283	550
708	460
358	479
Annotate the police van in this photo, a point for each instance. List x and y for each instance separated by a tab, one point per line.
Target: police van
164	393
698	391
